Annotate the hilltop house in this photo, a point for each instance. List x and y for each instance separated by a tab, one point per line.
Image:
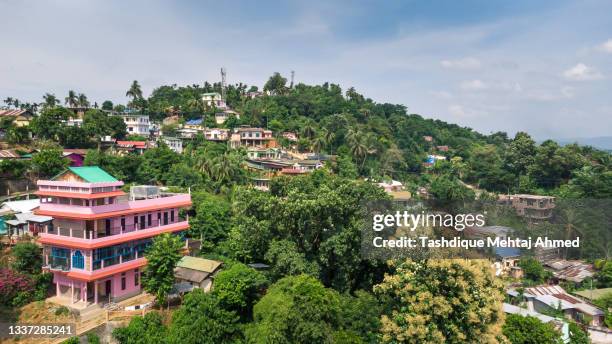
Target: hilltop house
530	206
216	134
95	245
214	99
21	117
221	117
252	137
136	124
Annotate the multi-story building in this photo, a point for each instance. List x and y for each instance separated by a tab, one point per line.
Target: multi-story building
252	137
96	242
173	143
216	134
530	206
136	124
214	99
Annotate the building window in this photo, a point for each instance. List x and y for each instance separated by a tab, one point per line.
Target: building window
77	260
172	216
149	219
136	276
123	281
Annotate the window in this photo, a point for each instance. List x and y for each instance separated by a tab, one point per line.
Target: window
172	216
149	220
136	276
77	260
123	223
123	281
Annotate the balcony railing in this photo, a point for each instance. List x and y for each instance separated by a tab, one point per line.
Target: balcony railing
59	264
104	232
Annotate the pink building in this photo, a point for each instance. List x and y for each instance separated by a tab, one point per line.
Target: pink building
96	242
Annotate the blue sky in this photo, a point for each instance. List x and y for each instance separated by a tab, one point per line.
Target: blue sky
539	66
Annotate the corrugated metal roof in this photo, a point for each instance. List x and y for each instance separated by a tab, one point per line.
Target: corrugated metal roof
199	264
92	174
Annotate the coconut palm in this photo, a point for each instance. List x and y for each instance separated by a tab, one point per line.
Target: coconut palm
82	100
308	130
9	101
317	144
72	99
135	92
50	100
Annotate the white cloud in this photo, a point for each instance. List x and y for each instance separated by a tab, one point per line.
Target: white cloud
582	72
473	85
465	63
606	46
565	92
456	110
441	94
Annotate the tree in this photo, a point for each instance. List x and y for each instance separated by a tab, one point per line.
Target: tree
50	100
296	309
48	125
27	258
156	164
202	319
529	330
277	84
162	257
534	271
99	124
82	100
135	92
49	162
72	99
107	105
212	215
238	288
520	153
578	335
143	330
360	315
286	260
441	301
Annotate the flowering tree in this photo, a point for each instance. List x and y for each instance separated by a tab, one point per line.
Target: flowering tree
14	287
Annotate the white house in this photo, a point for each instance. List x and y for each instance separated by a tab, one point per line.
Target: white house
136	124
214	99
174	143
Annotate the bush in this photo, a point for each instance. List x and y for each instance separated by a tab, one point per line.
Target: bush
62	310
14	287
93	338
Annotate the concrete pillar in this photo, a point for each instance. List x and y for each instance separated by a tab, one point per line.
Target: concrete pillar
95	292
57	289
72	292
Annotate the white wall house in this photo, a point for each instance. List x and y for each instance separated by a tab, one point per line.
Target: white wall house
215	99
136	124
174	143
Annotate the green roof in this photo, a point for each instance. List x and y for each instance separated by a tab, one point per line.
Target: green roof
198	264
92	174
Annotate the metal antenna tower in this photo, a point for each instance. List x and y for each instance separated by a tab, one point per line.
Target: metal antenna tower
223	76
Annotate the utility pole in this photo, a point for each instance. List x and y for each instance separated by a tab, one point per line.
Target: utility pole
292	78
223	76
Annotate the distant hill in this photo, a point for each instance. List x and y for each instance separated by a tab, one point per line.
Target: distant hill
601	142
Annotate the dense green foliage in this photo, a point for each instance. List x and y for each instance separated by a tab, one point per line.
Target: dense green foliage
529	330
162	257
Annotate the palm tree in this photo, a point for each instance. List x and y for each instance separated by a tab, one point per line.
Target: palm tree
329	137
50	100
82	100
317	144
72	99
9	101
135	91
308	130
352	136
